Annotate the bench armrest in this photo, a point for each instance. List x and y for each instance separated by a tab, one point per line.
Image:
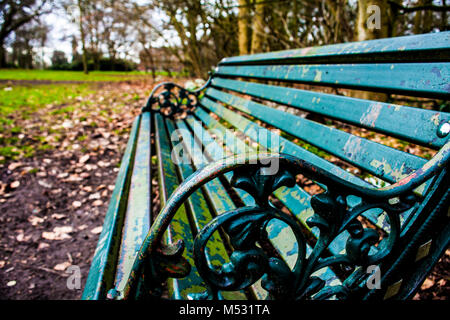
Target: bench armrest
332	215
172	101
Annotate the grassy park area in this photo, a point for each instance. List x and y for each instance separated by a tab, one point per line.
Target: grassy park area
72	76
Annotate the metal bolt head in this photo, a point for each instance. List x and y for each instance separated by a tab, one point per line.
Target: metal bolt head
443	130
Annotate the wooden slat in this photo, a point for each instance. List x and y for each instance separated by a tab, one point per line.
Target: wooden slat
426	47
399	78
411	124
138	214
101	273
179	227
385	162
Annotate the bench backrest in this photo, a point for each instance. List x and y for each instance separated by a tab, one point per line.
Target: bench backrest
409	66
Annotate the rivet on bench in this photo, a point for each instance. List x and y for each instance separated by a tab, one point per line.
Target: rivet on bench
423	250
393	289
443	130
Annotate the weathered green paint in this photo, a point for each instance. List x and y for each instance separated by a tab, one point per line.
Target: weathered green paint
137	219
200	212
251	129
411	124
425	47
214	190
279	233
433	81
103	266
179	227
295	199
358	151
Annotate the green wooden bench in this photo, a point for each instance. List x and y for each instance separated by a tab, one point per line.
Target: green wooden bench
268	192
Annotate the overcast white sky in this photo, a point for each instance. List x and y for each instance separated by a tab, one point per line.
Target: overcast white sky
61	31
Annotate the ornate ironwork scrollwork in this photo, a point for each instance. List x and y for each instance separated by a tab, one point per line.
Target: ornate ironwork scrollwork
246	229
173	100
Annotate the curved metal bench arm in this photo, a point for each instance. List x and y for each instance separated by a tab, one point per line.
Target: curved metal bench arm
167	99
332	215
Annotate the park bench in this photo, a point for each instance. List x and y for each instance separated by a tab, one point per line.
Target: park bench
267	190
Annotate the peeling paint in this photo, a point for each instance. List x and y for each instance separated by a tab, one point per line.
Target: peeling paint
370	117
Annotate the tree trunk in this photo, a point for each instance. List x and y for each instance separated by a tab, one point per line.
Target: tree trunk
83	37
149	54
423	18
258	27
243	27
372	20
427	18
444	26
2	55
372	23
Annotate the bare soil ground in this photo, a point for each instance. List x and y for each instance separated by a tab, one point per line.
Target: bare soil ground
52	205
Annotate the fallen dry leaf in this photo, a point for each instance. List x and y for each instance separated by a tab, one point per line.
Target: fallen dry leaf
43	245
97	230
59	233
97	203
62	266
84	159
76	204
427	284
35	220
11	283
58	216
14	166
15	184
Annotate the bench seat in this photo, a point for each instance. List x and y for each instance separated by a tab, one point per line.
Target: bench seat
351	201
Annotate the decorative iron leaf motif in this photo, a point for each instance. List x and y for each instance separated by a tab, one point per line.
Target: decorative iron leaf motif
260	185
244	232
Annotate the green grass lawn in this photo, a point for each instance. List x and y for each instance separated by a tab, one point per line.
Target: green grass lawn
17	105
25	100
55	75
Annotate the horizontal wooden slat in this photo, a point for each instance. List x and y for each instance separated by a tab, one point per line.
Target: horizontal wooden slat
138	214
411	124
251	129
426	47
402	78
101	273
385	162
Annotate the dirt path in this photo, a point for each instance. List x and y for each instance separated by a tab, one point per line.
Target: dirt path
52	206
